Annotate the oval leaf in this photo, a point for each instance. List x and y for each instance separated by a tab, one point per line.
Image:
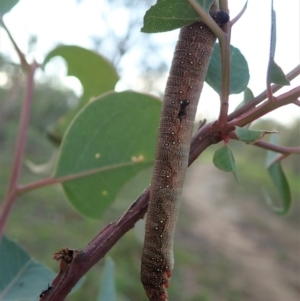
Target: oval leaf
276	75
21	278
96	74
273	31
7	5
167	15
279	179
250	136
248	96
112	139
239	71
224	160
108	287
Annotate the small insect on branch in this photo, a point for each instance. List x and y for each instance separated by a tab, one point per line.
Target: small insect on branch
182	111
46	291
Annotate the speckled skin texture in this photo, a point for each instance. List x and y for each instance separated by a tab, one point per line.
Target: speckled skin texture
185	82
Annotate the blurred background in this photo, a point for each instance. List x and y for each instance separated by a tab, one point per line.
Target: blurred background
229	245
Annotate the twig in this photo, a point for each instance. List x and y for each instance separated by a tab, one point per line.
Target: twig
239	15
278	148
278	158
21	55
224	39
261	97
269	146
225	63
52	180
10	195
208	20
279	101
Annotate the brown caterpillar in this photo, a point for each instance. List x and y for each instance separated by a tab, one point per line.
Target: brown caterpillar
185	82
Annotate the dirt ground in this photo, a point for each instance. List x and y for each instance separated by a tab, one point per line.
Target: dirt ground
264	248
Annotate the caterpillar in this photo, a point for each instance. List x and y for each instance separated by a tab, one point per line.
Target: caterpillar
184	85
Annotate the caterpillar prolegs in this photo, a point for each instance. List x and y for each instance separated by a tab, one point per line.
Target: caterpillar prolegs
184	85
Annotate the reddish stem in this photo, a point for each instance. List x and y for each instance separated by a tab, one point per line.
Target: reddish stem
21	55
273	147
10	195
225	63
261	97
279	101
52	180
239	15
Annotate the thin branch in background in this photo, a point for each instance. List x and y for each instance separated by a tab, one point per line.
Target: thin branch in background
269	146
208	20
21	55
59	180
239	15
11	195
278	158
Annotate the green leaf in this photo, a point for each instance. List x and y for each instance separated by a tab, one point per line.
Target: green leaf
239	72
108	288
224	160
113	138
248	96
132	189
271	155
273	31
279	179
95	73
21	278
56	132
167	15
7	5
251	136
276	75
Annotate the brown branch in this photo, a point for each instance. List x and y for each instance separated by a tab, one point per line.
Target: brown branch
279	101
278	158
225	63
106	239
